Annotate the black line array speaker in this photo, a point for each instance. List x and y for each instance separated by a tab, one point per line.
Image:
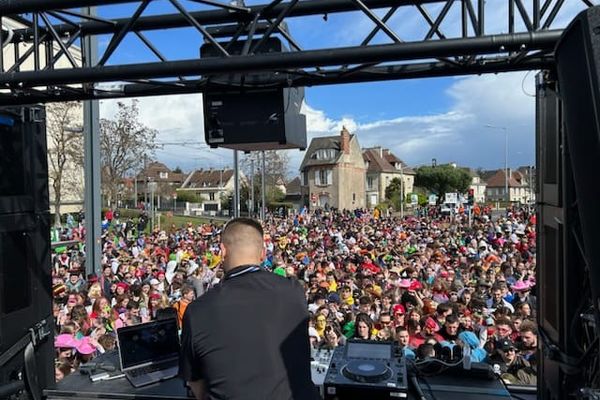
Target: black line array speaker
25	272
578	67
23	160
568	150
242	112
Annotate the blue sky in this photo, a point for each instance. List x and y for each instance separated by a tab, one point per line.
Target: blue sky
442	118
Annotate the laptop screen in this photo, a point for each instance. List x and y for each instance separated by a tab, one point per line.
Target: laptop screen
144	343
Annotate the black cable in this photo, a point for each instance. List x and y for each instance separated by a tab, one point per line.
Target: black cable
411	371
415	382
428	388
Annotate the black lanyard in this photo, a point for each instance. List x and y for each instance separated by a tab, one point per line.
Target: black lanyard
247	270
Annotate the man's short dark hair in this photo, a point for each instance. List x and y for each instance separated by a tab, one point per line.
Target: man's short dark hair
185	289
230	234
528	326
451	319
401	328
243	221
443	307
364	300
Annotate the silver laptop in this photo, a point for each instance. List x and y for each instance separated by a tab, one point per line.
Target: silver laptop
149	352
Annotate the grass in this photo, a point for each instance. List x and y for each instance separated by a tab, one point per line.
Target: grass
166	220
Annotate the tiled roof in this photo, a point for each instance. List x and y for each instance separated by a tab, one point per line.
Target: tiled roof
293	186
383	160
376	163
208	178
498	180
318	143
153	171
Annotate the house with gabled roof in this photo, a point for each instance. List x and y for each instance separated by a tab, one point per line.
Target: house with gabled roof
518	187
334	173
210	185
382	167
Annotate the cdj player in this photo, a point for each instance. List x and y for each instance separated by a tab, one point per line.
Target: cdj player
366	370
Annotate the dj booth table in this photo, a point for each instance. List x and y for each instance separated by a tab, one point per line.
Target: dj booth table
79	387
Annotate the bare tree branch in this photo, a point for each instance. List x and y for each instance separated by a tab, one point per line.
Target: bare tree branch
125	140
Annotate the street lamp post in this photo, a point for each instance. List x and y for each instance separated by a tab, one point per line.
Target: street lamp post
401	192
505	157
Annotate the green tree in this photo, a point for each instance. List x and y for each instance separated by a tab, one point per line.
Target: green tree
190	197
177	170
394	189
443	179
393	192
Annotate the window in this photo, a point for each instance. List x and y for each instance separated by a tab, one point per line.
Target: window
325	154
323	177
305	178
163	175
370	182
211	196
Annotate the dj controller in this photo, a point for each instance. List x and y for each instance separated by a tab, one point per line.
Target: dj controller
366	369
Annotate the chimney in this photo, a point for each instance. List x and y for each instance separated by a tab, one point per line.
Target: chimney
345	147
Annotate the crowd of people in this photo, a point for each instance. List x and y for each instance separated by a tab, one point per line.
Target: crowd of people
434	284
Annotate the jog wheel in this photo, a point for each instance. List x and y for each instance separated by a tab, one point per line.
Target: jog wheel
366	371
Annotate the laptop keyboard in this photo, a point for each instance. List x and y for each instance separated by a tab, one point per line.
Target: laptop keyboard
152	368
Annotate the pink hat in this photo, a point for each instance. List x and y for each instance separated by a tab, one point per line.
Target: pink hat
85	347
65	340
404	283
520	286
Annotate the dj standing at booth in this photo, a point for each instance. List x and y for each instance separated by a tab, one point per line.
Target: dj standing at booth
248	337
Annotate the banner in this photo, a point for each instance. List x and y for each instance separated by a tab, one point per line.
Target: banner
451	198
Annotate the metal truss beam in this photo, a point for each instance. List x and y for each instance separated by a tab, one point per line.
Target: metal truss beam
441	50
374	74
277	61
169	21
308	7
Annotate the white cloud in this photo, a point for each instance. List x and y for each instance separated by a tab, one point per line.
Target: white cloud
318	124
178	119
459	134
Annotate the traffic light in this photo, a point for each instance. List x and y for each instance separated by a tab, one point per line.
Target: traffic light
471	197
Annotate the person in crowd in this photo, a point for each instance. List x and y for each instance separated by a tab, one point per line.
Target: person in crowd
529	342
364	327
187	296
402	339
450	330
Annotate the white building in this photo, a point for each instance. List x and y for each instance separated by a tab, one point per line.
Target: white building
211	186
518	188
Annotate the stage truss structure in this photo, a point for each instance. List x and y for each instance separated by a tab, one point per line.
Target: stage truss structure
455	37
